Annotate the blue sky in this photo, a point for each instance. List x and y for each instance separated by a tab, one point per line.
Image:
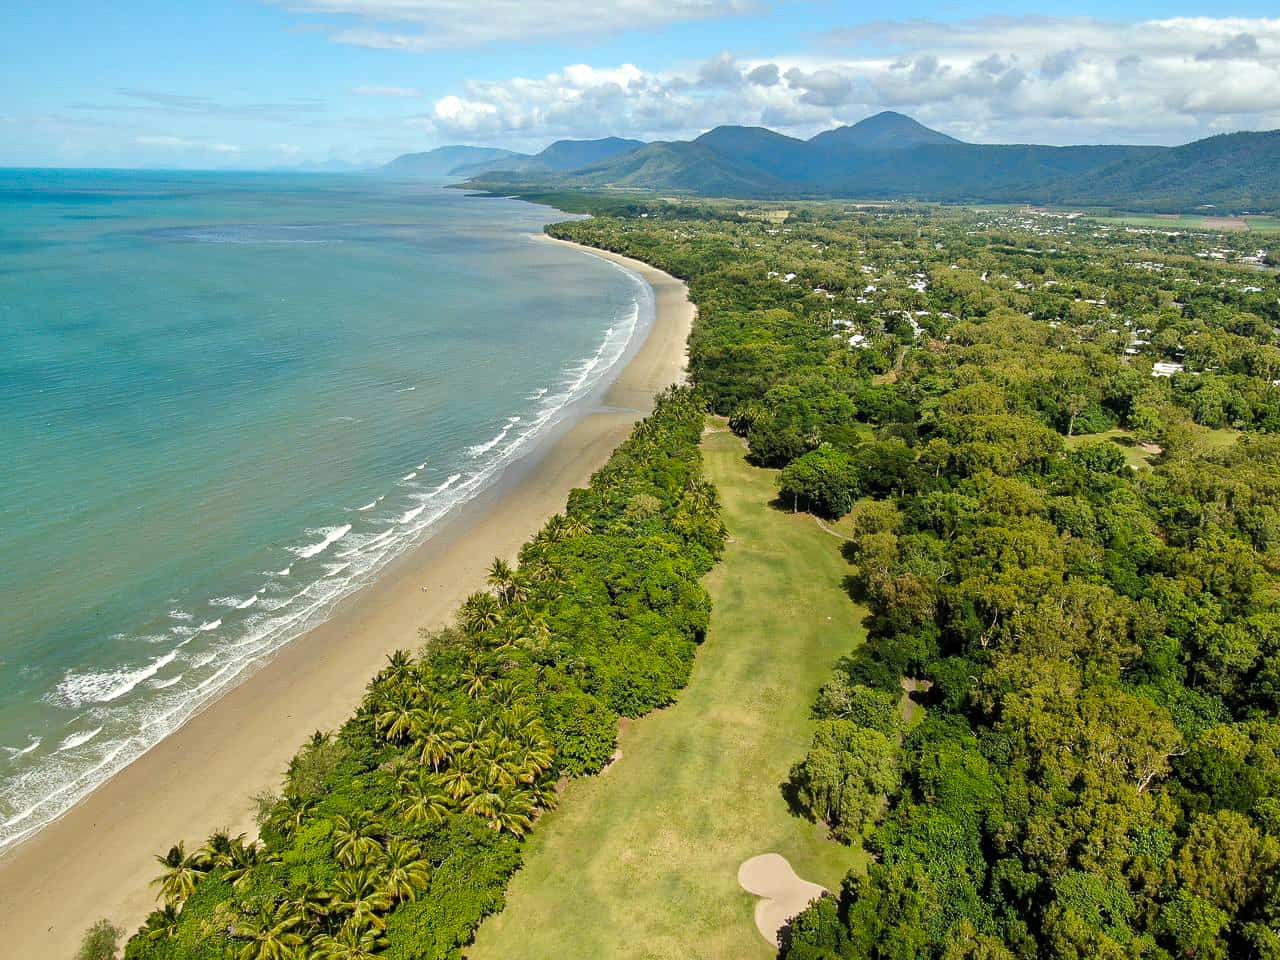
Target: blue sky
260	84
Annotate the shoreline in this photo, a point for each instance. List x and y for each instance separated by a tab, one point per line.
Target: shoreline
98	858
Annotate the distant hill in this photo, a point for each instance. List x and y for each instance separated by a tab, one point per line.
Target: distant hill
884	131
891	156
450	161
574	154
564	156
1235	171
680	166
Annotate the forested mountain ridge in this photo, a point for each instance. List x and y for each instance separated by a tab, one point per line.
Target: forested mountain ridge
890	156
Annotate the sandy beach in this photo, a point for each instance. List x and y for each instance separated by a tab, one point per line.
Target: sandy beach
97	860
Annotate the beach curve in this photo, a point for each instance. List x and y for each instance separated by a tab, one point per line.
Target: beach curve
96	860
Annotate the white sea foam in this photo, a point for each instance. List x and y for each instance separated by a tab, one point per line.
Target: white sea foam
407	390
329	535
78	740
369	506
23	751
246	604
166	684
77	689
180	615
284	572
480	449
209	625
411	476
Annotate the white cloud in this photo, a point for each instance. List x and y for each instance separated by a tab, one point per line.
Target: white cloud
421	25
376	91
1056	80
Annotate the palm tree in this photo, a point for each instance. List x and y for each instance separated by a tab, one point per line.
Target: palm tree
422	800
309	900
360	895
484	804
399	669
356	839
702	498
556	529
181	874
503	580
405	872
290	813
457	782
577	526
241	858
480	612
216	851
530	761
514	813
270	933
476	678
161	924
436	744
349	943
506	693
519	720
399	718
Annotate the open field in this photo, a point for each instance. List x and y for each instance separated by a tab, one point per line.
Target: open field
1251	224
1136	455
642	861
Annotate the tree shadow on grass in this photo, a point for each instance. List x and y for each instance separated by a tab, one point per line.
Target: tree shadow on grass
790	791
784	505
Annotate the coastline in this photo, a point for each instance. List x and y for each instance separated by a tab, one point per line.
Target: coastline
97	860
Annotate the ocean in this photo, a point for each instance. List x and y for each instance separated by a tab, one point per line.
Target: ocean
227	401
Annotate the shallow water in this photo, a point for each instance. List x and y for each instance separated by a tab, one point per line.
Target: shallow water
226	400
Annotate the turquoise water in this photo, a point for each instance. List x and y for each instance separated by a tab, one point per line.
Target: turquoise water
225	402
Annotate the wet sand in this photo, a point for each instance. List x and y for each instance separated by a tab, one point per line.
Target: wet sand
97	860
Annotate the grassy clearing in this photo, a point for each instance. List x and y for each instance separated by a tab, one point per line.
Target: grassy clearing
1250	224
1134	453
1205	438
641	862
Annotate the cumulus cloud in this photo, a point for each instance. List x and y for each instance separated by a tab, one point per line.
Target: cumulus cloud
1055	80
422	25
1243	46
822	88
765	75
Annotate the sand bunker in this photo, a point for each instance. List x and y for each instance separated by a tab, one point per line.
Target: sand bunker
783	894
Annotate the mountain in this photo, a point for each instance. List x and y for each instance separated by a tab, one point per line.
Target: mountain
891	156
679	166
450	161
573	154
758	151
1235	171
562	157
884	131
